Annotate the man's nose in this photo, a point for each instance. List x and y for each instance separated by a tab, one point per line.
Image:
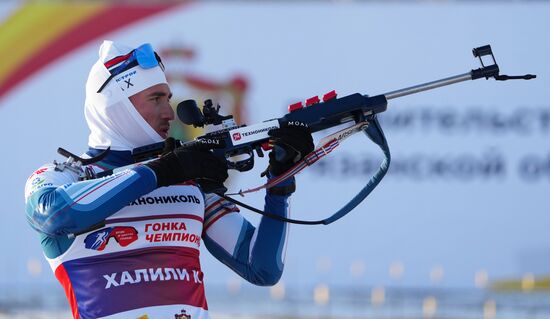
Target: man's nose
168	112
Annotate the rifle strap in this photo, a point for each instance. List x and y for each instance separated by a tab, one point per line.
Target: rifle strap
374	132
323	148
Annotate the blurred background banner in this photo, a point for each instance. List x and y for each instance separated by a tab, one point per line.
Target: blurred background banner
465	203
38	34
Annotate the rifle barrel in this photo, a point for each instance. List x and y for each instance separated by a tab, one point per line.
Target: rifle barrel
428	86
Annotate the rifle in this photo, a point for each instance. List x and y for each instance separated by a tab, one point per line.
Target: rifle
232	142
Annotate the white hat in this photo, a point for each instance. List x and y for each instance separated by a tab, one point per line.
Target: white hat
113	120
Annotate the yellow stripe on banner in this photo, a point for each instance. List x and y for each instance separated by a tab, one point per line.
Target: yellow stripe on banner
33	26
526	284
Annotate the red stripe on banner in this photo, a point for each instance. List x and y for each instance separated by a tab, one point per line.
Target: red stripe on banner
135	219
63	278
202	83
113	17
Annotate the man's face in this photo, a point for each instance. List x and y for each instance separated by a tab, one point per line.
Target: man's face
154	106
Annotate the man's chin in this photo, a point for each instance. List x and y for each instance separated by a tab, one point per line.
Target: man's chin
163	134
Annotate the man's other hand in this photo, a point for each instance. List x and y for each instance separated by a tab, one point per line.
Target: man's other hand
291	143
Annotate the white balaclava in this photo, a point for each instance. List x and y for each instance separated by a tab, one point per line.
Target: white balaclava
113	120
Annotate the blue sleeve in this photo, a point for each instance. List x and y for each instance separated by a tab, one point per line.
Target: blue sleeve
255	253
56	207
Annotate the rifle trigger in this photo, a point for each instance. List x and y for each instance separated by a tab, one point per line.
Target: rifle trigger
259	151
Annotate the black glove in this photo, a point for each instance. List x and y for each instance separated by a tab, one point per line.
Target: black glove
169	145
291	143
184	164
